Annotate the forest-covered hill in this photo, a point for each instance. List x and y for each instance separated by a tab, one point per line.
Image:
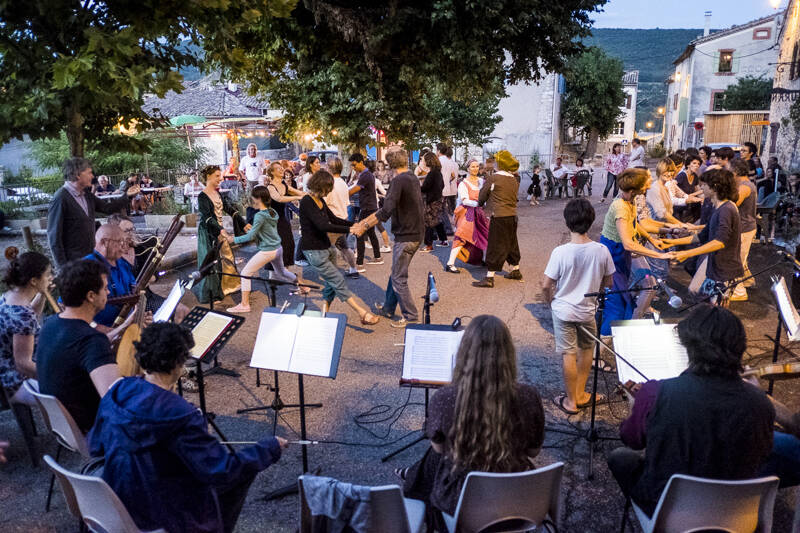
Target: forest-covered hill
651	52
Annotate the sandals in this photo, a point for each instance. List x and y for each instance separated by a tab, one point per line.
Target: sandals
559	402
401	473
587	403
604	366
369	319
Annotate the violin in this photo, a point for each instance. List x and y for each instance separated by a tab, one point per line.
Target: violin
775	371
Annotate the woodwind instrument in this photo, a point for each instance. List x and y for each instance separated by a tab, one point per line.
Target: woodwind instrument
151	265
128	366
11	253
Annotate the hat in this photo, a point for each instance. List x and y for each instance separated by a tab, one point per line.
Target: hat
505	161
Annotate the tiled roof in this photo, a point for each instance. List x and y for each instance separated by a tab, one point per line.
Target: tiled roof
631	78
207	97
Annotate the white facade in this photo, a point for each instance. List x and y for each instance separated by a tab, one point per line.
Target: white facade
708	66
783	137
626	125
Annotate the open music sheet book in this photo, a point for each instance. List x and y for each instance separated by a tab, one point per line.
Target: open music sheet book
299	344
207	331
654	350
788	311
168	307
430	355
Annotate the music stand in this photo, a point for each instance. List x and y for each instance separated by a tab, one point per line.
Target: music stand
191	320
281	346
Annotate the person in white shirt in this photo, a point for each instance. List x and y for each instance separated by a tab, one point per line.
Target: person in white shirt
450	191
636	159
192	190
560	175
581	266
338	200
253	166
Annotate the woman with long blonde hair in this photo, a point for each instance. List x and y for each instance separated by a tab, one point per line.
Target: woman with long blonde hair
483	421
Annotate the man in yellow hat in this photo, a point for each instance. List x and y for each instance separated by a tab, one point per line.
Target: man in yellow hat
499	193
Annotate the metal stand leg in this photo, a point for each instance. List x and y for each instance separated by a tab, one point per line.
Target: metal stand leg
415	441
775	351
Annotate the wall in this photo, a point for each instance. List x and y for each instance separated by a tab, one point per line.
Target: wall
782	141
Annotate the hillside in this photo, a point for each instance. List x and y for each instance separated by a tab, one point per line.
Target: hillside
651	52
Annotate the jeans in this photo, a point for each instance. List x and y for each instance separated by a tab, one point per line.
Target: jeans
324	262
611	179
373	239
784	461
430	233
448	208
397	290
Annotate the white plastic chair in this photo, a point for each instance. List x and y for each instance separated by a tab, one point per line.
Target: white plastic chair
517	501
691	503
101	509
390	512
61	424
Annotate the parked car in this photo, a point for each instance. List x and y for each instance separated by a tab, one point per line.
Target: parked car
24	195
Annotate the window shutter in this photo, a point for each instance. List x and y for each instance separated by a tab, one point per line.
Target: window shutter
735	62
716	61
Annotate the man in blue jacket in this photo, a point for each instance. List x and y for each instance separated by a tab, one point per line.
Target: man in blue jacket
159	457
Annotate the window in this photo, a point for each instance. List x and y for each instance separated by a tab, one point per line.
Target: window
628	100
725	64
717	98
619	129
675	101
794	71
762	34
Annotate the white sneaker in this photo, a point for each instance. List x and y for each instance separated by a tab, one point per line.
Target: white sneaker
385	249
301	263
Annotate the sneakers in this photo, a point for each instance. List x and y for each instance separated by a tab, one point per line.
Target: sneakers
360	268
426	249
385	250
301	263
377	261
514	274
485	282
399	324
443	244
380	311
239	309
451	269
352	275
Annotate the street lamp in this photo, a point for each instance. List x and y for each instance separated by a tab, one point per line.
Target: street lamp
660	110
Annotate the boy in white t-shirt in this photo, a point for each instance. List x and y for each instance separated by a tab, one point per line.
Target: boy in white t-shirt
581	266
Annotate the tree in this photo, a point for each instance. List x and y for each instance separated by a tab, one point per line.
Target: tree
399	65
594	96
748	94
84	66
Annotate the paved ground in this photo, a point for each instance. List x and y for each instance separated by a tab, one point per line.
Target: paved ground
368	383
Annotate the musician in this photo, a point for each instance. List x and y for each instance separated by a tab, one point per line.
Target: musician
160	459
784	461
70	220
74	362
707	422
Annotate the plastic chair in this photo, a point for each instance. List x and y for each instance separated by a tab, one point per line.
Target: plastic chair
61	424
581	181
101	509
518	501
549	183
694	504
390	512
23	414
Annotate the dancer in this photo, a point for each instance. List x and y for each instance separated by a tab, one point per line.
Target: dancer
431	188
265	232
535	188
211	235
620	232
500	192
484	421
317	221
616	162
283	195
367	204
579	267
747	217
338	201
472	227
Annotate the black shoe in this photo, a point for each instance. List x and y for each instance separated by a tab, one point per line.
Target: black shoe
514	274
485	282
451	269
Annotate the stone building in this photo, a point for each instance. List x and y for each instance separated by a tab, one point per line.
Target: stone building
708	66
783	137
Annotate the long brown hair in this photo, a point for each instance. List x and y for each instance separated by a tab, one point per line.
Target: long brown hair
486	409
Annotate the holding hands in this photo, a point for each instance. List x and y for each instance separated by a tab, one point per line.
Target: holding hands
358	229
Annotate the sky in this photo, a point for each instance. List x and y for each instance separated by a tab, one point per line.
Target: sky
681	13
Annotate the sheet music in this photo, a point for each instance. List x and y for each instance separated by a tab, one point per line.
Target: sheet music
430	355
313	346
207	331
275	341
791	319
654	350
168	307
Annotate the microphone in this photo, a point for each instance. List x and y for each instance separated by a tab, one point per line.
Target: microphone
674	300
789	257
197	275
433	294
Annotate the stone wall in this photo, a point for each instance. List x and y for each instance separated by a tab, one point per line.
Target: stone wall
782	140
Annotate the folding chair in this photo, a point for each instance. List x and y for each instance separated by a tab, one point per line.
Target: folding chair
581	182
61	424
23	414
691	503
98	505
390	512
518	501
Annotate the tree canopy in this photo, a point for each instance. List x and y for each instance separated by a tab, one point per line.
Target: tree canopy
748	94
410	68
594	95
84	66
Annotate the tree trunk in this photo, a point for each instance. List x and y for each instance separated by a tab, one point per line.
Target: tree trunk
591	145
75	134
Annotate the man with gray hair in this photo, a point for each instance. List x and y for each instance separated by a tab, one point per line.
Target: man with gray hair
252	166
70	220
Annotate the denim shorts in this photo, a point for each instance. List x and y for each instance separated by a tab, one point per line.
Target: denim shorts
569	337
